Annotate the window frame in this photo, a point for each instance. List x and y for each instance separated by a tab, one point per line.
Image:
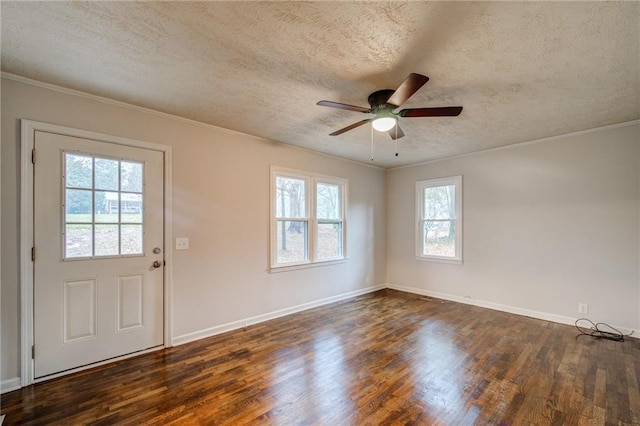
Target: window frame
421	186
311	181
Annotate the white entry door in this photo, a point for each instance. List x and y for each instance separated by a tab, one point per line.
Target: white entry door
98	237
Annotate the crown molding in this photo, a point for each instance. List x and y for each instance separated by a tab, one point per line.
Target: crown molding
520	144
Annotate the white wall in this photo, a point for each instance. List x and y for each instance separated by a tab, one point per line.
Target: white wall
546	225
220	199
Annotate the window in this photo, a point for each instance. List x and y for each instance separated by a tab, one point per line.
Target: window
307	218
439	219
102	206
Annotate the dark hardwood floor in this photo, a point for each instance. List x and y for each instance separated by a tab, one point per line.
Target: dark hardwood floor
383	358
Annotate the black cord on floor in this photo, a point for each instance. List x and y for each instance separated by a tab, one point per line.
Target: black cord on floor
596	331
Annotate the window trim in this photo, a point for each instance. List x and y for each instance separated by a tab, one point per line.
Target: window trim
421	185
311	180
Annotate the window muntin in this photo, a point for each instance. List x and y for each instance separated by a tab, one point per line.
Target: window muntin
102	206
439	219
307	218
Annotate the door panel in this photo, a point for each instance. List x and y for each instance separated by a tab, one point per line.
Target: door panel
98	215
79	317
130	302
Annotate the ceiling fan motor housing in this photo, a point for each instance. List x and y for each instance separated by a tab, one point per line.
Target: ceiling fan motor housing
378	101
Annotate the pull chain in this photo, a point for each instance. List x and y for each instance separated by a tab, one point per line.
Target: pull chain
396	139
372	142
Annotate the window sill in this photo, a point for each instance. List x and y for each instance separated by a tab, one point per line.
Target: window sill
439	260
278	269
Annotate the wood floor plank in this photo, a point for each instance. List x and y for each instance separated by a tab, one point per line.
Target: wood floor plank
386	358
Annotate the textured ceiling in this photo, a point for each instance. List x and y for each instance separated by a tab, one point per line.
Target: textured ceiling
522	71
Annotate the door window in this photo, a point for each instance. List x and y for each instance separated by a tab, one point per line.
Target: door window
103	205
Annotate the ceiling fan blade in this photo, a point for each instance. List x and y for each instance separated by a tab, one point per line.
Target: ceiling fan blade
343	106
408	87
431	112
353	126
395	135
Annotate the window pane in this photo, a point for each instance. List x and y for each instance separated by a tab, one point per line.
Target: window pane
113	196
328	201
439	202
131	239
291	239
107	206
78	241
440	238
106	240
78	205
107	174
79	171
131	207
131	179
290	197
329	240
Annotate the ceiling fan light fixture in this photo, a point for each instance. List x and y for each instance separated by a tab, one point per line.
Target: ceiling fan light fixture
384	124
383	102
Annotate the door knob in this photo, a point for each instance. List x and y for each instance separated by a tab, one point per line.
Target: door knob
157	264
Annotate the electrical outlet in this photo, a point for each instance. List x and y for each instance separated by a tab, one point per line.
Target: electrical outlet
368	279
583	308
182	243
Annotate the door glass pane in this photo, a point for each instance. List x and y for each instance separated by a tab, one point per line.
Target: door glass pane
131	176
102	193
131	207
290	197
291	241
106	238
440	202
131	239
106	174
328	201
107	205
78	171
78	241
78	206
439	238
329	240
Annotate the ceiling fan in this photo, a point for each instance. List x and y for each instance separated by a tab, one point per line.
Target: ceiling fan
384	102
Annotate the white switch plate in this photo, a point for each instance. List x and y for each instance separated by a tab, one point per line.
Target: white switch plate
182	243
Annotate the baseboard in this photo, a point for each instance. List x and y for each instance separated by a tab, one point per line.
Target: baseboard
235	325
499	307
9	385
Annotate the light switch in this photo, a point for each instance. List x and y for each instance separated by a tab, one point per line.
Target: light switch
182	243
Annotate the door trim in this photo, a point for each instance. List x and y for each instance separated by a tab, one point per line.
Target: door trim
27	140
